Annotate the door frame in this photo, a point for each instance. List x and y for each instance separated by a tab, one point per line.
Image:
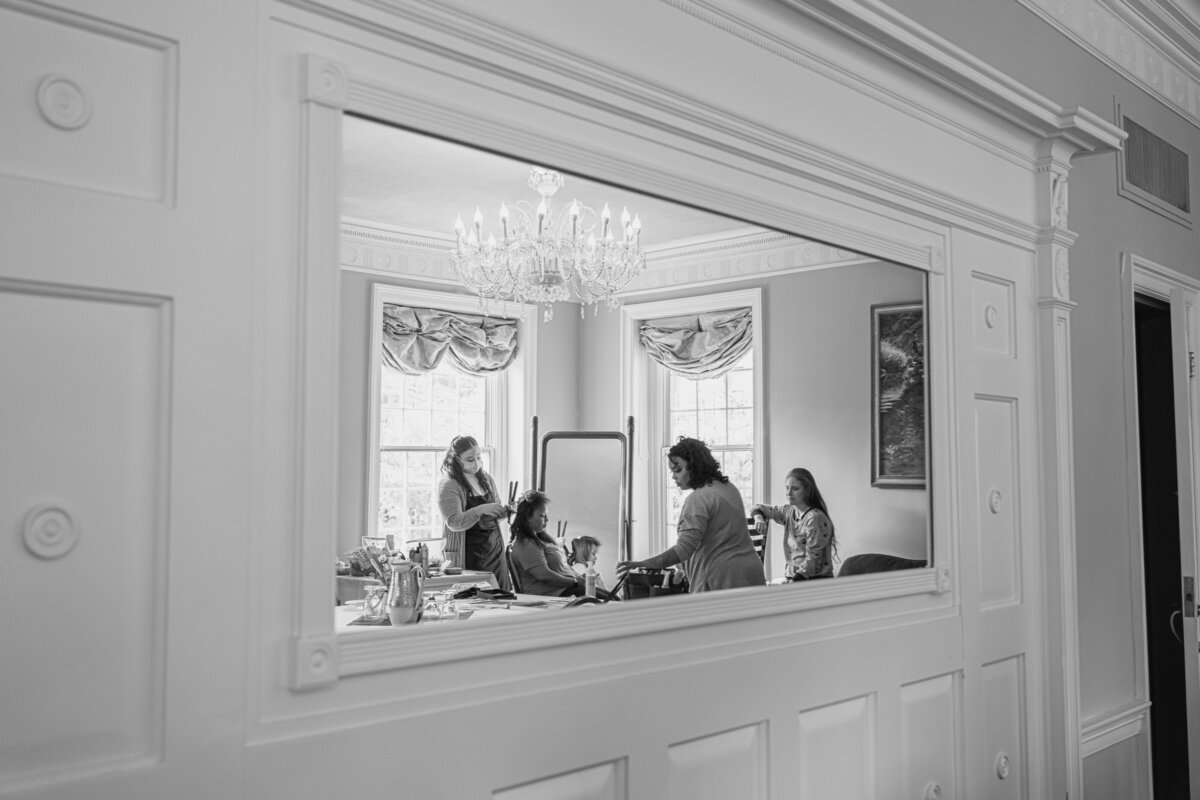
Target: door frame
1182	293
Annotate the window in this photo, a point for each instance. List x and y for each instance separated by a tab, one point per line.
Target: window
414	417
418	416
720	412
725	412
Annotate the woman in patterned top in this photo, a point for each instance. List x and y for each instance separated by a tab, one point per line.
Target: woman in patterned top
809	541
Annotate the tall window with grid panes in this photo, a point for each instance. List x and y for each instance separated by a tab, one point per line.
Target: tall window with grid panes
719	412
418	416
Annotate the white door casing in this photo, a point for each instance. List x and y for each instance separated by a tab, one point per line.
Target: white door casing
1182	293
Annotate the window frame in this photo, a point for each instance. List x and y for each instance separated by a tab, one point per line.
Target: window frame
509	393
643	383
663	488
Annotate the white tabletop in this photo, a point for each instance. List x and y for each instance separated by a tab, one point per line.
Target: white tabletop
471	610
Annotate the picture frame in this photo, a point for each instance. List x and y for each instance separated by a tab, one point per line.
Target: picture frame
898	395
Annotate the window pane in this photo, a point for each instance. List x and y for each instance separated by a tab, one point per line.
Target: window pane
391	469
424	468
682	424
710	393
392	386
475	424
471	393
738	465
416	390
445	390
711	427
445	426
683	393
420	506
416	428
741	426
391	426
741	388
391	512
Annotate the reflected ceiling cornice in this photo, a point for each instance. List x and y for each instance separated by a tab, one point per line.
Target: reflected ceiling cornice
736	255
1153	43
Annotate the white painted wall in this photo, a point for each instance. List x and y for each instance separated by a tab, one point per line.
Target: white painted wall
254	694
1112	678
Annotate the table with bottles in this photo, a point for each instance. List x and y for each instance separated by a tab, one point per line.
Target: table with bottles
440	606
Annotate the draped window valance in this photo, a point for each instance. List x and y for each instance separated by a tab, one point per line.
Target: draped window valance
415	340
699	345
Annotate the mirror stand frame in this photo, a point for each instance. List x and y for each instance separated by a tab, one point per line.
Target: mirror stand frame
538	470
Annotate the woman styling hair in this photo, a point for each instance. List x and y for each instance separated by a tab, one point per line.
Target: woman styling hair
467	498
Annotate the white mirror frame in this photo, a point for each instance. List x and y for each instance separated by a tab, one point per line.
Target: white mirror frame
318	655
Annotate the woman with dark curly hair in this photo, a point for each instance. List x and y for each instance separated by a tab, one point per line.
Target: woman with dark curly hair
714	544
467	497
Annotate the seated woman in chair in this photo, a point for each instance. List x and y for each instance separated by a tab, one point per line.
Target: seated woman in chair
537	558
809	541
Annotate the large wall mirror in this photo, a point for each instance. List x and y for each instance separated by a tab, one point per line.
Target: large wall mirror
834	380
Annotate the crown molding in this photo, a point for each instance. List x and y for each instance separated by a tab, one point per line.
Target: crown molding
638	102
895	36
388	250
1131	40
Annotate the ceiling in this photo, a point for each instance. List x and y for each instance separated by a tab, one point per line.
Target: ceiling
419	184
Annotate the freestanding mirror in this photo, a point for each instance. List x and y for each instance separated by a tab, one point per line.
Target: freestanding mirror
589	479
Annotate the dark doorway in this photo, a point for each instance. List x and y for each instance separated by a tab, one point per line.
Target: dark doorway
1160	547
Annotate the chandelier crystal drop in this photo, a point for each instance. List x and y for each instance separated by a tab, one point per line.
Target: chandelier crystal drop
545	255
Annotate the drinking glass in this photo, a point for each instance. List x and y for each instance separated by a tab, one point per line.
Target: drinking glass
374	602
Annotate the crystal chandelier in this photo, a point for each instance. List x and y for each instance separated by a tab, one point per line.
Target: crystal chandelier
543	256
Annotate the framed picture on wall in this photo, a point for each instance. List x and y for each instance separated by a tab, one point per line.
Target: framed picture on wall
898	395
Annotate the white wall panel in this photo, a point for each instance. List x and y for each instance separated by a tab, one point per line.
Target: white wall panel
837	750
601	782
82	558
999	539
1003	758
87	104
728	764
993	315
929	730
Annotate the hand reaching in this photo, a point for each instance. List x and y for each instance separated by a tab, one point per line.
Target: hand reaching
624	566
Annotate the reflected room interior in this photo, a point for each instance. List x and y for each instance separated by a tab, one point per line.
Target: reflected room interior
839	386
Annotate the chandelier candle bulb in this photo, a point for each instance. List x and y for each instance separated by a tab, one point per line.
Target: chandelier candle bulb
504	220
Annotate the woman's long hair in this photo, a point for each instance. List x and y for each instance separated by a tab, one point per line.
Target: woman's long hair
452	467
702	467
521	531
812	496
